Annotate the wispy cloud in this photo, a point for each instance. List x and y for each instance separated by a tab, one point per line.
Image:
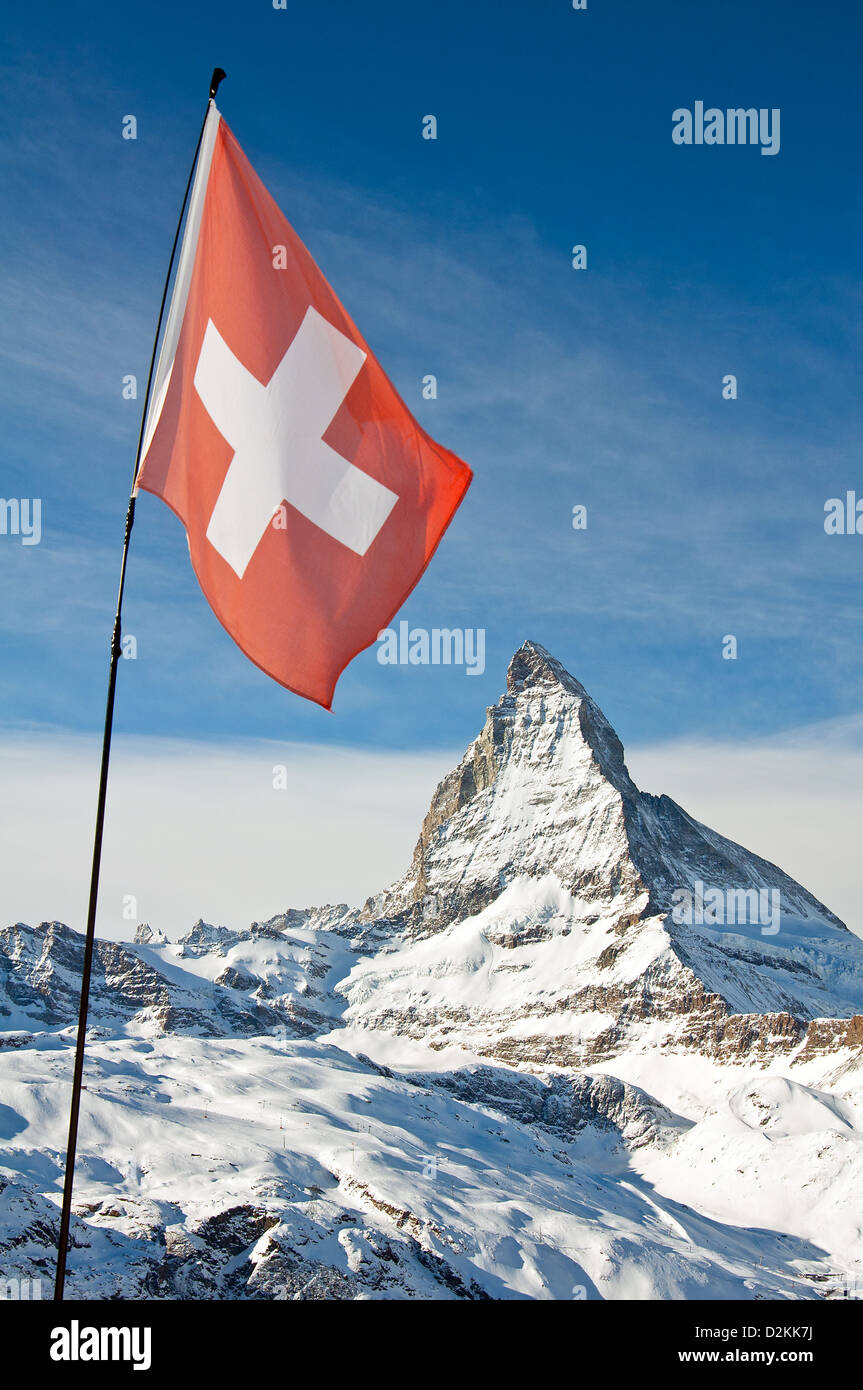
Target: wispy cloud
196	829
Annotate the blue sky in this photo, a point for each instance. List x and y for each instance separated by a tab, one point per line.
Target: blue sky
558	387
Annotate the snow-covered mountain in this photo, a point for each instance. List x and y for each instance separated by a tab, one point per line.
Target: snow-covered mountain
584	1047
536	922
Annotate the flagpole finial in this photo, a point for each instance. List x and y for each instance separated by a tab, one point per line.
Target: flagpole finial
218	77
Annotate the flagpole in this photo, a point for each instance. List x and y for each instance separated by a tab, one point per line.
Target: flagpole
78	1073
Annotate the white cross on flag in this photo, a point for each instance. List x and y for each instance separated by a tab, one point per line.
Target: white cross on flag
312	499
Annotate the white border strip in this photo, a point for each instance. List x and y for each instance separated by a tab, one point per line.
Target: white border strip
182	280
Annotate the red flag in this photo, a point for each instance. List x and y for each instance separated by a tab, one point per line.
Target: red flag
312	499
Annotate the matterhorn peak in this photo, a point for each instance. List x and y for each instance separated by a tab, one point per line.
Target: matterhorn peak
533	672
532	665
543	793
555	914
540	790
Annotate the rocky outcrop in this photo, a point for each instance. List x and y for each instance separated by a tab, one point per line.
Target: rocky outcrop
562	1103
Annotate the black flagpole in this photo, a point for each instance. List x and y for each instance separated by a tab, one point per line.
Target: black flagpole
75	1106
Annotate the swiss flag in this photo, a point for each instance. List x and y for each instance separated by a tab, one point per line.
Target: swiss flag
312	499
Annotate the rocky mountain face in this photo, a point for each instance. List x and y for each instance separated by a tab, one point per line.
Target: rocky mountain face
519	1071
544	788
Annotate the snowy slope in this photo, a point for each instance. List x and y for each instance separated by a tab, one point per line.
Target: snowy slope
250	1168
